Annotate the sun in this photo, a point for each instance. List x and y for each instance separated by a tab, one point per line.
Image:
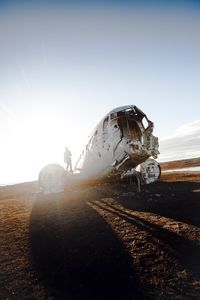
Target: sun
38	139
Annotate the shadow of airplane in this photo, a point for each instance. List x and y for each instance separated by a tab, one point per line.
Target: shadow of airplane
176	200
187	251
76	253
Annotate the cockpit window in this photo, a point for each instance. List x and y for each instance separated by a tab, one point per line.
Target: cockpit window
129	128
122	123
113	115
105	129
134	130
145	123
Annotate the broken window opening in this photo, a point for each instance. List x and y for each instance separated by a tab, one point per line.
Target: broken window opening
134	130
129	128
145	123
105	129
124	126
113	116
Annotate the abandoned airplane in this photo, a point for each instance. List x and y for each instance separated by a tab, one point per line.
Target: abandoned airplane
120	145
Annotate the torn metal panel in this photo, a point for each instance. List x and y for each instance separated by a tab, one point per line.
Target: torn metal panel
149	170
52	179
121	144
121	141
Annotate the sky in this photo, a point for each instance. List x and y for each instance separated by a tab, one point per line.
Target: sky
65	64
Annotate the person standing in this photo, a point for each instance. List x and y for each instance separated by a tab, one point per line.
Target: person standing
68	160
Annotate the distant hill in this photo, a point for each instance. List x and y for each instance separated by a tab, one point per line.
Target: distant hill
177	164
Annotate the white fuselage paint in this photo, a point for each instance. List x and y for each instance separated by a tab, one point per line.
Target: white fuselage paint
120	142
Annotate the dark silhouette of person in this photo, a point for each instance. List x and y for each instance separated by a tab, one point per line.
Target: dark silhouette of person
67	159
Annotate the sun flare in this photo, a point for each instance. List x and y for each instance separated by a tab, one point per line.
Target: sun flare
38	139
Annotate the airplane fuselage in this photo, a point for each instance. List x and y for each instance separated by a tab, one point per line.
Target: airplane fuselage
121	141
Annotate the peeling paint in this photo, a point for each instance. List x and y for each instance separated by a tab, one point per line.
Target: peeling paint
125	140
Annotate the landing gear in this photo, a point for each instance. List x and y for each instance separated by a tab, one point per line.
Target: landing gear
133	176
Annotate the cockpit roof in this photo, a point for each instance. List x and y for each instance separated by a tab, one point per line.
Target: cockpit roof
124	108
127	108
121	108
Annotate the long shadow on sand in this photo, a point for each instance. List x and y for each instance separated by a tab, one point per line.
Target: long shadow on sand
177	200
188	252
76	252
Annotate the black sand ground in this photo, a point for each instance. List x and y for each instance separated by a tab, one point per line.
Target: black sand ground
101	242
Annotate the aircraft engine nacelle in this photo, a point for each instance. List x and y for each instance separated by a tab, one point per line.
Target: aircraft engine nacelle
149	170
52	179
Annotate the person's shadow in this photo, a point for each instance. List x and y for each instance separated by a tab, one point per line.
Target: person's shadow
76	253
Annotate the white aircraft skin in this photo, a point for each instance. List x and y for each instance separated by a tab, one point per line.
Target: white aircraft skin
120	142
